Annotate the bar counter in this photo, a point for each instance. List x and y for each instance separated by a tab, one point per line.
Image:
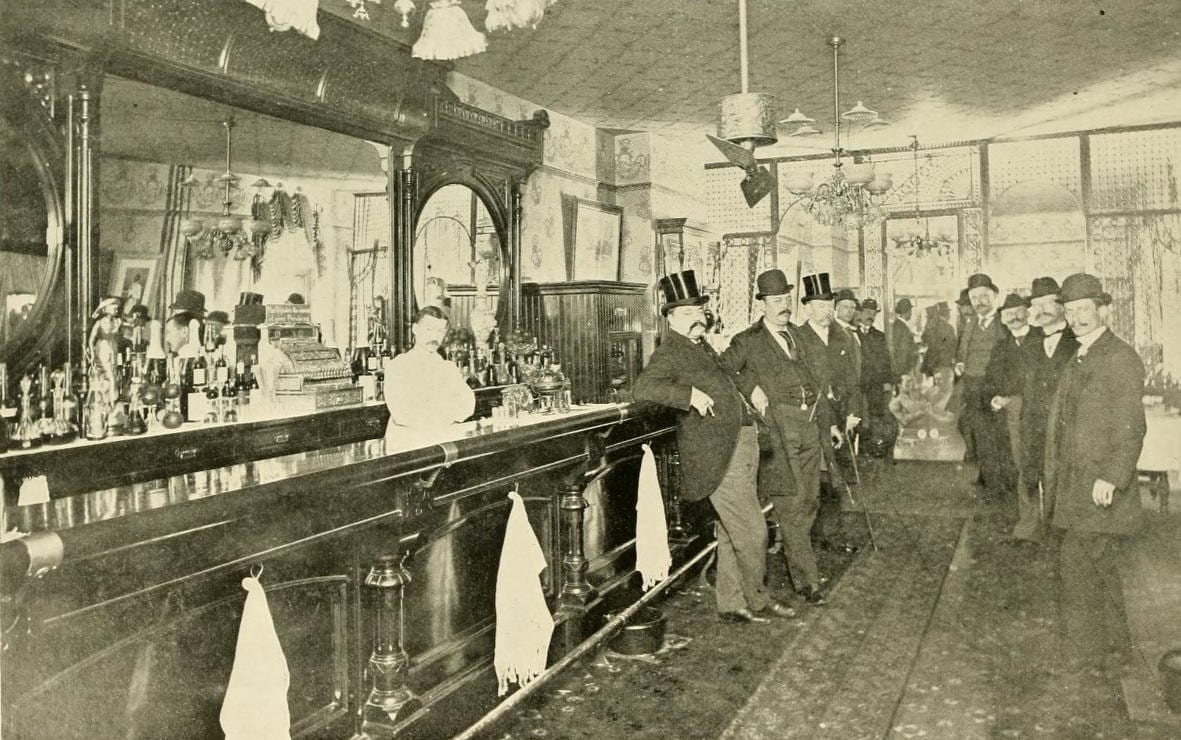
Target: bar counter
121	606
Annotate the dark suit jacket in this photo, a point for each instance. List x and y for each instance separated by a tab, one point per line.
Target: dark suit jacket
996	331
875	360
760	361
1041	380
939	338
706	443
904	353
1095	431
828	364
1005	375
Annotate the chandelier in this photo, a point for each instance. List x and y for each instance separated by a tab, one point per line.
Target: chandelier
244	238
850	195
920	243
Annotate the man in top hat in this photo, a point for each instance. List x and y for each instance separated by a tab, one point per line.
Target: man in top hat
877	381
768	358
1004	382
845	307
985	429
1094	436
904	351
963	311
718	445
827	352
1051	345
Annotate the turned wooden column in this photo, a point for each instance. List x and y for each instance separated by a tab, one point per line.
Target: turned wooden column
576	592
389	696
670	466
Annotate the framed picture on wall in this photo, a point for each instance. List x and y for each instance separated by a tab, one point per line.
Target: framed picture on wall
134	280
598	230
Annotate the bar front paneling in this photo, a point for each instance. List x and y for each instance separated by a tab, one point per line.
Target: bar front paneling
132	631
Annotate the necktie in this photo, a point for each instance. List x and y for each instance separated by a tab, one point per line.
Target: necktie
791	346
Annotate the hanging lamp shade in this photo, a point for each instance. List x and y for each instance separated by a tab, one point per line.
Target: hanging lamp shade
797	117
859	114
447	33
748	117
805	129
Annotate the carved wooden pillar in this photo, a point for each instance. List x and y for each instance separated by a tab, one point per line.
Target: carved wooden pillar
576	592
515	212
670	465
403	198
389	696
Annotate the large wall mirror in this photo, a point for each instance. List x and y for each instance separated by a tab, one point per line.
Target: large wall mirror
459	260
31	220
292	206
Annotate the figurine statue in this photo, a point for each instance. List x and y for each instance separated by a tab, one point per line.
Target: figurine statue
482	318
103	345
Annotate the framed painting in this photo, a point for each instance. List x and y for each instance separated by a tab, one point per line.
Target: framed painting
133	279
598	230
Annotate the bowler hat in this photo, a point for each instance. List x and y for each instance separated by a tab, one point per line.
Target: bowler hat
845	294
903	305
1082	285
1013	300
188	301
816	288
980	280
869	304
963	300
218	316
1043	286
772	282
680	289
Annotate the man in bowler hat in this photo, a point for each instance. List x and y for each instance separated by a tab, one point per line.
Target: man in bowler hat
718	444
827	353
904	351
1094	436
1004	382
974	349
1052	345
768	358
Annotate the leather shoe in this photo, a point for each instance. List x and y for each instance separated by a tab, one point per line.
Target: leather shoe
813	596
742	616
779	610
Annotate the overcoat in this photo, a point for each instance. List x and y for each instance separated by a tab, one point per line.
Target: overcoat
1041	379
706	443
1095	431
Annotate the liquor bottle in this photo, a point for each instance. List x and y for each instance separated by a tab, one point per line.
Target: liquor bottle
43	397
96	408
242	391
221	369
200	373
212	413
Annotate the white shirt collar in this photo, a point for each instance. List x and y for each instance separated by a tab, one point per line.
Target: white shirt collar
1087	340
820	332
1021	333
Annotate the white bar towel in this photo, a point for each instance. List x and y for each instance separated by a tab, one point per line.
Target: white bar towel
255	705
524	625
653	559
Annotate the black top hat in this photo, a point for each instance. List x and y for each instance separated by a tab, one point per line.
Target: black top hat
1043	286
869	304
816	288
772	282
963	300
845	294
980	280
903	305
188	301
1013	300
1082	285
680	289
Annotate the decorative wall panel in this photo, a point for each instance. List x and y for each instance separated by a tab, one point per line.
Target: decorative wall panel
728	212
947	178
1135	170
1047	160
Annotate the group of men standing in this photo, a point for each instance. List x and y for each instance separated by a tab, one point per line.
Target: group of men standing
764	420
1051	411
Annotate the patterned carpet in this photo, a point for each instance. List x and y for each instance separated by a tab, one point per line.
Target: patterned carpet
947	631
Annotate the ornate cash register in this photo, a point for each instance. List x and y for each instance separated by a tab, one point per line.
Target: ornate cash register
298	371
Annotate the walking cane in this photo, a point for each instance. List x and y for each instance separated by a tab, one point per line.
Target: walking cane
864	505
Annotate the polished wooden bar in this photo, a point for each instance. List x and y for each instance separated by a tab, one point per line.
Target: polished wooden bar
121	608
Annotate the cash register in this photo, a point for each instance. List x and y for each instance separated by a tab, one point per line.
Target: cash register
298	371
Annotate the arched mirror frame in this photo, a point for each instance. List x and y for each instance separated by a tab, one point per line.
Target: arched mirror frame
26	115
498	211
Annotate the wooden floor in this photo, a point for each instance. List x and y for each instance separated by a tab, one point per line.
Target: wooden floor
948	630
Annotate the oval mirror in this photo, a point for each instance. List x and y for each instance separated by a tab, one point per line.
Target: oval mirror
458	259
31	223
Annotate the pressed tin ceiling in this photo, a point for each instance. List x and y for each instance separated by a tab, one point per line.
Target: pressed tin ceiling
944	69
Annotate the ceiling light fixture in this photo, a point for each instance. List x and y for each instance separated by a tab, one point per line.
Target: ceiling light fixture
848	196
246	238
447	32
746	120
919	243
